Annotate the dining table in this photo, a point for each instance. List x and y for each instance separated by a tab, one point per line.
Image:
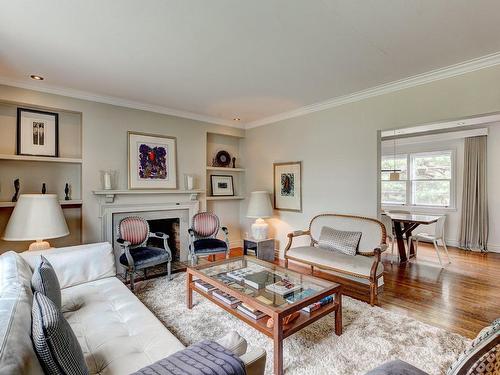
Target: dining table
404	224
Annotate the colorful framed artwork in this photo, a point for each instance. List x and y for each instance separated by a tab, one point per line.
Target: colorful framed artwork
152	161
37	133
222	186
288	186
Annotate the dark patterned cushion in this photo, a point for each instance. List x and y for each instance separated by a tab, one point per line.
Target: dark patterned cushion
483	356
143	256
206	357
53	339
209	245
44	280
396	367
339	240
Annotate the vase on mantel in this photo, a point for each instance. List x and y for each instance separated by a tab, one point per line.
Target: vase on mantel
108	179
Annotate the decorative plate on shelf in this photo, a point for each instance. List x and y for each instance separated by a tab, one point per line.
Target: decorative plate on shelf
222	159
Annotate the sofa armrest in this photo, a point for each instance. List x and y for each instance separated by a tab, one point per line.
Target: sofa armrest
294	234
76	265
255	361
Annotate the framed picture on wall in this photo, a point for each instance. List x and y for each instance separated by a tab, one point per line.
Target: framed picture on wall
222	186
288	186
37	133
152	161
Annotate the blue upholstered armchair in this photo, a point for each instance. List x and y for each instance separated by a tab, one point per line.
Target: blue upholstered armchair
203	239
133	237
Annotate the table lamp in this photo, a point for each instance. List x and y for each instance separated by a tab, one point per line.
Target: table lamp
36	217
259	208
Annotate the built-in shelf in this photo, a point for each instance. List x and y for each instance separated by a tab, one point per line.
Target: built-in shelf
232	198
226	169
40	158
109	195
72	202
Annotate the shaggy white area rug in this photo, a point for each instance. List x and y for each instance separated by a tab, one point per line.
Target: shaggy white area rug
371	335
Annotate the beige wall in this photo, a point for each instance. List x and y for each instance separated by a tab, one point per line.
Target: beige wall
104	144
338	146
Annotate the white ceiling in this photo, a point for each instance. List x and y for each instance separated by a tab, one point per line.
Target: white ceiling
220	59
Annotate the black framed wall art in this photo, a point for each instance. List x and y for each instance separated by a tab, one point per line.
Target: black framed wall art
37	132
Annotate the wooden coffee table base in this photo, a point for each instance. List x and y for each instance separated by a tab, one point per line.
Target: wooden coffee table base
279	331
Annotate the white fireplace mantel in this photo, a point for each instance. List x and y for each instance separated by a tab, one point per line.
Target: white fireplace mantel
109	195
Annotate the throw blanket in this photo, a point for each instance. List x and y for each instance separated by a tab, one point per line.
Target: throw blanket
204	358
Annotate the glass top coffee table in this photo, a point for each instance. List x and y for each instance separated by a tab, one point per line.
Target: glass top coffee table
256	291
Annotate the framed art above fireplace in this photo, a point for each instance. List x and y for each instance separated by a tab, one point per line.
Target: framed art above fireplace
152	161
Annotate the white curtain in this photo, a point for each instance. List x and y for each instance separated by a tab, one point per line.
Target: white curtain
474	223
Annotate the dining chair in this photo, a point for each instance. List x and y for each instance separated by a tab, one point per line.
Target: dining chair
203	239
389	229
438	235
137	254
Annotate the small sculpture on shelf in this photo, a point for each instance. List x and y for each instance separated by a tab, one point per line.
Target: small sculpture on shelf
17	186
234	162
66	192
44	188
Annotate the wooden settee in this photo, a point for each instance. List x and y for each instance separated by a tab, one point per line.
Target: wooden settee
364	268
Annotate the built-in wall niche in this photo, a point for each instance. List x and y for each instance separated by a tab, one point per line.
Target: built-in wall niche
233	145
33	171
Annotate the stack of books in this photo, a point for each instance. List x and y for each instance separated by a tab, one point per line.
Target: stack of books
260	279
317	305
250	311
283	287
202	285
226	298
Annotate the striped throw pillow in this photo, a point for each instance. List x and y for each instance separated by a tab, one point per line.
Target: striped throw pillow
339	240
53	339
44	280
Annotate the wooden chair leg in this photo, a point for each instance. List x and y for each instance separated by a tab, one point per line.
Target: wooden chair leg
132	276
286	262
169	270
373	293
436	246
446	251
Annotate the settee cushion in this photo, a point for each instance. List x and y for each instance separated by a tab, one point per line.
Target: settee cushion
16	349
358	265
339	240
117	333
45	281
54	340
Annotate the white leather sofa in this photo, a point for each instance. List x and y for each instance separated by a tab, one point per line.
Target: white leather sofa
363	268
117	333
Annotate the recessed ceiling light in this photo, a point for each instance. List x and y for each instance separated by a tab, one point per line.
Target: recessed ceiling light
461	123
36	78
236	119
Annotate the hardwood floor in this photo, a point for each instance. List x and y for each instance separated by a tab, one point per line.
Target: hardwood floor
463	297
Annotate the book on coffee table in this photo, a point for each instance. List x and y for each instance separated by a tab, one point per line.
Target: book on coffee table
317	305
283	287
202	285
250	311
226	298
260	279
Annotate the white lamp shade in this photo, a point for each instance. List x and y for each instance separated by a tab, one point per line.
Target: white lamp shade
259	205
36	217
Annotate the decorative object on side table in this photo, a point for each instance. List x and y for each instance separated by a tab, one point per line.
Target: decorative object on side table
222	159
288	186
37	133
264	249
36	217
152	161
17	186
234	162
222	186
66	192
44	188
259	208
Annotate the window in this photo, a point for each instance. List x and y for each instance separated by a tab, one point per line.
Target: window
425	179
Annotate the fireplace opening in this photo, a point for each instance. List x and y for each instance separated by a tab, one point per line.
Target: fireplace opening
170	227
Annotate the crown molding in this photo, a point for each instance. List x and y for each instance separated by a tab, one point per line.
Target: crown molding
85	95
416	80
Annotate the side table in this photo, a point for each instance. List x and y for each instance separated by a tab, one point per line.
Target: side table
264	249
